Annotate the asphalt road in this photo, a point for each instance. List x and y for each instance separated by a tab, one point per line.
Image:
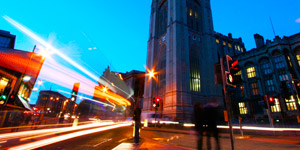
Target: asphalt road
105	140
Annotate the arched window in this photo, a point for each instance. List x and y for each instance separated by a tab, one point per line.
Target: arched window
279	60
161	69
297	52
251	71
163	18
265	66
195	83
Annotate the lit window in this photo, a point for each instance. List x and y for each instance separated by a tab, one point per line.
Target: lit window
239	48
289	58
242	49
191	12
251	72
243	108
3	84
224	43
298	58
229	45
217	41
196	15
291	104
276	107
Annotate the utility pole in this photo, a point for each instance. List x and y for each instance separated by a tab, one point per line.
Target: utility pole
227	101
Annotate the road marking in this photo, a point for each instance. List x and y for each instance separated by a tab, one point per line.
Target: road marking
123	140
102	142
124	146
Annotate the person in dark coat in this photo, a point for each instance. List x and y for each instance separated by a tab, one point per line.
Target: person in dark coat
199	123
211	116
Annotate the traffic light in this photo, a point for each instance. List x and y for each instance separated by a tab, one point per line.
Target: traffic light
297	85
74	92
156	102
232	76
271	101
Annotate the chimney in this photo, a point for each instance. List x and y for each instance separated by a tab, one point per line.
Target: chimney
259	40
230	35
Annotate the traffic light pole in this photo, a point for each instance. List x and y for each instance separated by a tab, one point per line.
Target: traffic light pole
269	112
296	100
228	103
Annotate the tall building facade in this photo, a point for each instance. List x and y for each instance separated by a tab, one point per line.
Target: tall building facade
182	51
265	70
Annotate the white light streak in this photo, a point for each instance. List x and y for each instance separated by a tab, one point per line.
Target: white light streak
56	51
45	142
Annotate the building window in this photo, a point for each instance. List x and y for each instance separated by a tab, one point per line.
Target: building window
239	48
290	62
298	58
3	84
217	41
196	14
229	45
265	67
242	49
291	104
269	85
195	82
243	108
191	12
242	90
251	72
283	77
224	43
254	88
279	62
276	107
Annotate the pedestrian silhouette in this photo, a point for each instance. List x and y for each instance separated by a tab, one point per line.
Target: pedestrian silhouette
211	115
199	123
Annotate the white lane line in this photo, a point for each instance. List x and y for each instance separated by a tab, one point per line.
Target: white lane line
123	140
102	142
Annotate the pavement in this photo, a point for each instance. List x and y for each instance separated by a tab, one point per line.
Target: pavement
186	139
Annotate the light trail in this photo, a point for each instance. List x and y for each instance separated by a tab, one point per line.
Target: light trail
7	136
45	142
66	58
250	128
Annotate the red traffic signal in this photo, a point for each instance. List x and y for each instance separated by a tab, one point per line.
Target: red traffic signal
298	84
271	99
157	100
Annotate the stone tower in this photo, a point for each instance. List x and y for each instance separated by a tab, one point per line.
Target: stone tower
182	50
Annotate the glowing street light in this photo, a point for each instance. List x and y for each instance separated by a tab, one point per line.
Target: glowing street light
151	74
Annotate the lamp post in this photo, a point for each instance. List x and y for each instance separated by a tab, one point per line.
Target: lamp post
152	74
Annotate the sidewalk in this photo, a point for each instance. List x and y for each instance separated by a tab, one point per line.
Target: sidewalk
148	144
188	139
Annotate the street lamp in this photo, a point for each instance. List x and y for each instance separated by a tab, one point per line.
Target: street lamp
152	74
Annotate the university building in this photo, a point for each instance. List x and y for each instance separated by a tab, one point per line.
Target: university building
182	51
266	70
